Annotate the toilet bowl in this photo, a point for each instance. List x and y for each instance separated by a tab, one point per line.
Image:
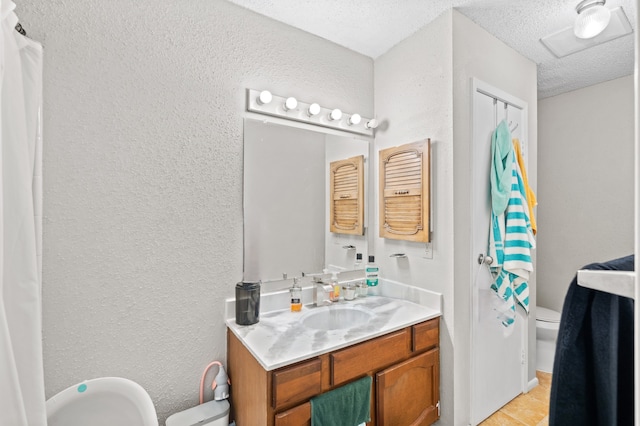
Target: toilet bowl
105	401
547	326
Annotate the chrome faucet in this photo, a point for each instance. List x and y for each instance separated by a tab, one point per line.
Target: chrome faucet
322	293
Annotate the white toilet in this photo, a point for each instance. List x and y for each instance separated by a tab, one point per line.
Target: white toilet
547	326
105	401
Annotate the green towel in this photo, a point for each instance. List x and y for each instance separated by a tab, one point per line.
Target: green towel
347	405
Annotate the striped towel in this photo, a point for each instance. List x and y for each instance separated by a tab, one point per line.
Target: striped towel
510	243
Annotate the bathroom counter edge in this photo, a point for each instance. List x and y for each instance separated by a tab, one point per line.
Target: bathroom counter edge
279	339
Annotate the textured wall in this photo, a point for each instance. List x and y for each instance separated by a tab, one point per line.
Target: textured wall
143	176
586	185
413	93
422	87
479	54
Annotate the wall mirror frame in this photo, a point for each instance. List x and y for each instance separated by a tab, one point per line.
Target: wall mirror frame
286	195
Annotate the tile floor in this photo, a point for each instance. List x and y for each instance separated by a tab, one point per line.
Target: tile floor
530	409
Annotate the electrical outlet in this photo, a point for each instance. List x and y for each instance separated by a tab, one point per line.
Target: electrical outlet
428	251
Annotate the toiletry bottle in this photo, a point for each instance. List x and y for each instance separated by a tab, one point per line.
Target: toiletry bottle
371	273
336	287
296	296
358	264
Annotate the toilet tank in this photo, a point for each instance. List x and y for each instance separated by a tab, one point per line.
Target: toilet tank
212	413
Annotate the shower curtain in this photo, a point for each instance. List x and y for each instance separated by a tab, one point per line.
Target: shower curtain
22	398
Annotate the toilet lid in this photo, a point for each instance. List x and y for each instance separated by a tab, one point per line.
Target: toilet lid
547	315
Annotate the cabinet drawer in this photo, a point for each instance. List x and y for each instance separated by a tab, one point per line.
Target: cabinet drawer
369	356
296	384
297	416
425	335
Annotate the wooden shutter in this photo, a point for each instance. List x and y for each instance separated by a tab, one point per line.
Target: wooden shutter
347	196
404	192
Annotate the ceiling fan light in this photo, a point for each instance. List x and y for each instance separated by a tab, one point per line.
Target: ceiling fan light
593	18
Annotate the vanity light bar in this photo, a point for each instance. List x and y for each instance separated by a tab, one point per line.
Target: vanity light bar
289	108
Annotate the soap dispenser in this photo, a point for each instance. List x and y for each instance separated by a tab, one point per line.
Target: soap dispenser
296	296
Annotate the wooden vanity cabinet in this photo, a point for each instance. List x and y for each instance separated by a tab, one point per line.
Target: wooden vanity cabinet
404	365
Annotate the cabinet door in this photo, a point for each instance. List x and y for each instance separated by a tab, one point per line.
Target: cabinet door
347	196
404	192
408	393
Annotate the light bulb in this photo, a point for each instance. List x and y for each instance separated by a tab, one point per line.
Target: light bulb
371	124
355	119
336	114
290	103
593	18
265	97
314	109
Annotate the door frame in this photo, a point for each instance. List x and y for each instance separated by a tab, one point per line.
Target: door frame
480	87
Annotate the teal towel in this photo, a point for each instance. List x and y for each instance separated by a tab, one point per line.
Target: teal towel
502	159
347	405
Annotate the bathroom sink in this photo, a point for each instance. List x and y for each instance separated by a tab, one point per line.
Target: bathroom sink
337	318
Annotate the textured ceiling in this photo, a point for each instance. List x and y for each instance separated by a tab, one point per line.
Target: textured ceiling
372	27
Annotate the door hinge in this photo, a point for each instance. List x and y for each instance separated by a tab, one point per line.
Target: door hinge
438	407
523	357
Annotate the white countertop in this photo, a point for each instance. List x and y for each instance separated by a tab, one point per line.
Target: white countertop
621	283
280	338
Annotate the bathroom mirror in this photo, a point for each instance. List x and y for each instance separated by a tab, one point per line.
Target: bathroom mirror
286	201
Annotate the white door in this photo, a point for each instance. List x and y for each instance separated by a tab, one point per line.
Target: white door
498	371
